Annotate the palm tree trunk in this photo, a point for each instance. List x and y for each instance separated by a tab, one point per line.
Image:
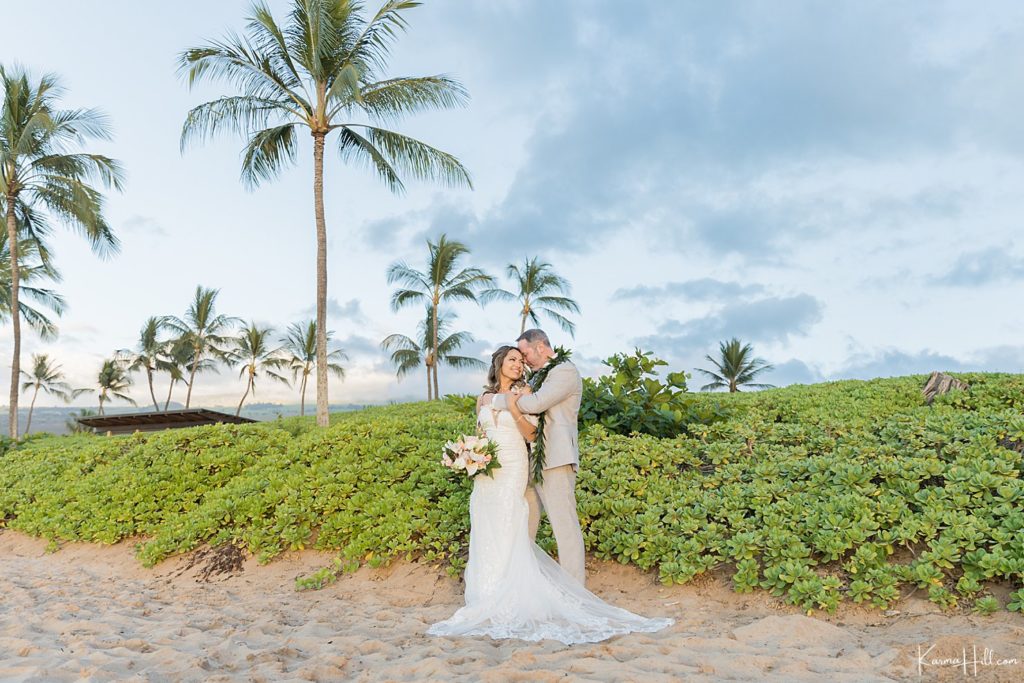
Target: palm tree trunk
169	390
192	379
28	425
302	394
526	313
244	396
437	354
322	417
437	395
429	397
101	404
12	240
149	375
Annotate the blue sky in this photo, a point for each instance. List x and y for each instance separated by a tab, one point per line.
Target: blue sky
837	183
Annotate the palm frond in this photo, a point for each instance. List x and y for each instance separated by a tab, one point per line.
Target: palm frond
563	322
395	98
495	294
401	273
239	114
464	362
267	153
557	302
415	158
356	148
372	47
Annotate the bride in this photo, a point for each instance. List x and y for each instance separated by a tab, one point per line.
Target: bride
513	589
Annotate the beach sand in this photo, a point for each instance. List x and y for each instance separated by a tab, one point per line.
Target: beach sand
90	612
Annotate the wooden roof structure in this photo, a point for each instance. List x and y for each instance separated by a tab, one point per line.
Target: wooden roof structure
127	423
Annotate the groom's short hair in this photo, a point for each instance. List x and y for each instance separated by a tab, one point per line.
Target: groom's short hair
535	335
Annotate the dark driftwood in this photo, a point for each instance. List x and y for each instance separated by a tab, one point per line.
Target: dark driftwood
941	383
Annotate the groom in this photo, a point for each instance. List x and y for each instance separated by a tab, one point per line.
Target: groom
559	397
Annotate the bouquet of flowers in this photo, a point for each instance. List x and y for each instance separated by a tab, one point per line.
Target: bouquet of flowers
471	454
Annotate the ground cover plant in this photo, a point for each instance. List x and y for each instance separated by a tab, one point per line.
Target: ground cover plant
849	490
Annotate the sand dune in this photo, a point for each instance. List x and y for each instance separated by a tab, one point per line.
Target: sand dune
92	613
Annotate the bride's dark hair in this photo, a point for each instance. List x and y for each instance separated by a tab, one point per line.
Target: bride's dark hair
493	385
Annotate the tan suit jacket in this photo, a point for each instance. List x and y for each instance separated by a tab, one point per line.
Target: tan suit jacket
560	396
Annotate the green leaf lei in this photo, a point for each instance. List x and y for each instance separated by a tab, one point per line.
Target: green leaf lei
536	381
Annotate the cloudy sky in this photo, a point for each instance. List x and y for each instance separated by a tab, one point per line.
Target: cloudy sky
840	184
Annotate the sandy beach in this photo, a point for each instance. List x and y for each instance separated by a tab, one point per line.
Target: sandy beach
93	613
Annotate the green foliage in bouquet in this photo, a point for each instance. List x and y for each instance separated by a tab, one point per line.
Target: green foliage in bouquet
631	399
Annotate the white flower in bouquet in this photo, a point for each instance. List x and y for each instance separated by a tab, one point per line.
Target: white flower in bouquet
470	454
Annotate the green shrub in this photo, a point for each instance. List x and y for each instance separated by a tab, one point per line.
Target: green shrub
815	493
631	399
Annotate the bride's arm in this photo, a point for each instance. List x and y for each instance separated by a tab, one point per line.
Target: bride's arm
527	427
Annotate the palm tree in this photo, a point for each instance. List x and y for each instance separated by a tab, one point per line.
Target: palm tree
408	353
148	352
47	376
736	367
205	332
114	380
38	172
252	351
72	425
35	265
541	290
321	71
300	345
174	360
438	284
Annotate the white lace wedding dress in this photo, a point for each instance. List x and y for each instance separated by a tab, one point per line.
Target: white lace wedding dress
513	589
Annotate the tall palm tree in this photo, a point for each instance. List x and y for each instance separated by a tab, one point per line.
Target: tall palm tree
252	350
148	352
205	332
47	376
540	290
439	283
35	265
408	353
736	367
322	71
38	172
114	380
300	347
